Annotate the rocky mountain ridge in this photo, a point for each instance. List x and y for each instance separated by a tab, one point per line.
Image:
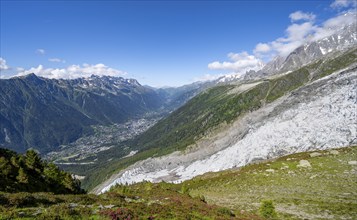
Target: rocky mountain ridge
342	39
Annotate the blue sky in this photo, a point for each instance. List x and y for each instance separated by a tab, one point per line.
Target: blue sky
157	42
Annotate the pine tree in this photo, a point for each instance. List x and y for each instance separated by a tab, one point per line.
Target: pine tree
22	177
71	184
52	172
15	162
33	161
5	167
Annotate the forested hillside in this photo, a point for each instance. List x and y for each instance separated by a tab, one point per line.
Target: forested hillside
29	173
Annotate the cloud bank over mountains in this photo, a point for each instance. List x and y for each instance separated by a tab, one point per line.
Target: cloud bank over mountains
303	29
239	62
73	71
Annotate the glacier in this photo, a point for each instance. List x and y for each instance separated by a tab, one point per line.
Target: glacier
320	115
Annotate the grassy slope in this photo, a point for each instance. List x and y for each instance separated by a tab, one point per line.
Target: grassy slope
141	201
208	110
326	190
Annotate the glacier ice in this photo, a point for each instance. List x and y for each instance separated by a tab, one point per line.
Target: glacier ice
320	115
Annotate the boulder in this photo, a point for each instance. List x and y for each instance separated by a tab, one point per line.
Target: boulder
353	162
304	164
315	154
334	152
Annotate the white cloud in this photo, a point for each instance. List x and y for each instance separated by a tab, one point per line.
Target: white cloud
3	65
207	77
56	60
40	51
299	34
239	63
299	15
334	24
296	35
261	47
73	71
339	4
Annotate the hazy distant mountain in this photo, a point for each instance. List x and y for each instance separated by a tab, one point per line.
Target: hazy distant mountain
44	113
175	97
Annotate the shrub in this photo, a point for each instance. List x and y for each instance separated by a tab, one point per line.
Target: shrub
21	200
185	189
148	186
225	211
48	214
64	210
7	213
267	210
202	198
85	211
3	200
118	214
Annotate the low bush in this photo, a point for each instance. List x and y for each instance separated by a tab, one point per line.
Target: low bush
267	210
118	214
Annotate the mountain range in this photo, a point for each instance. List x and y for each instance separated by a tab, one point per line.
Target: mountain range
304	101
233	125
307	103
43	113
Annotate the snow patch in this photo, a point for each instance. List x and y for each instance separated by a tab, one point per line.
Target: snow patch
323	51
7	138
132	153
243	88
